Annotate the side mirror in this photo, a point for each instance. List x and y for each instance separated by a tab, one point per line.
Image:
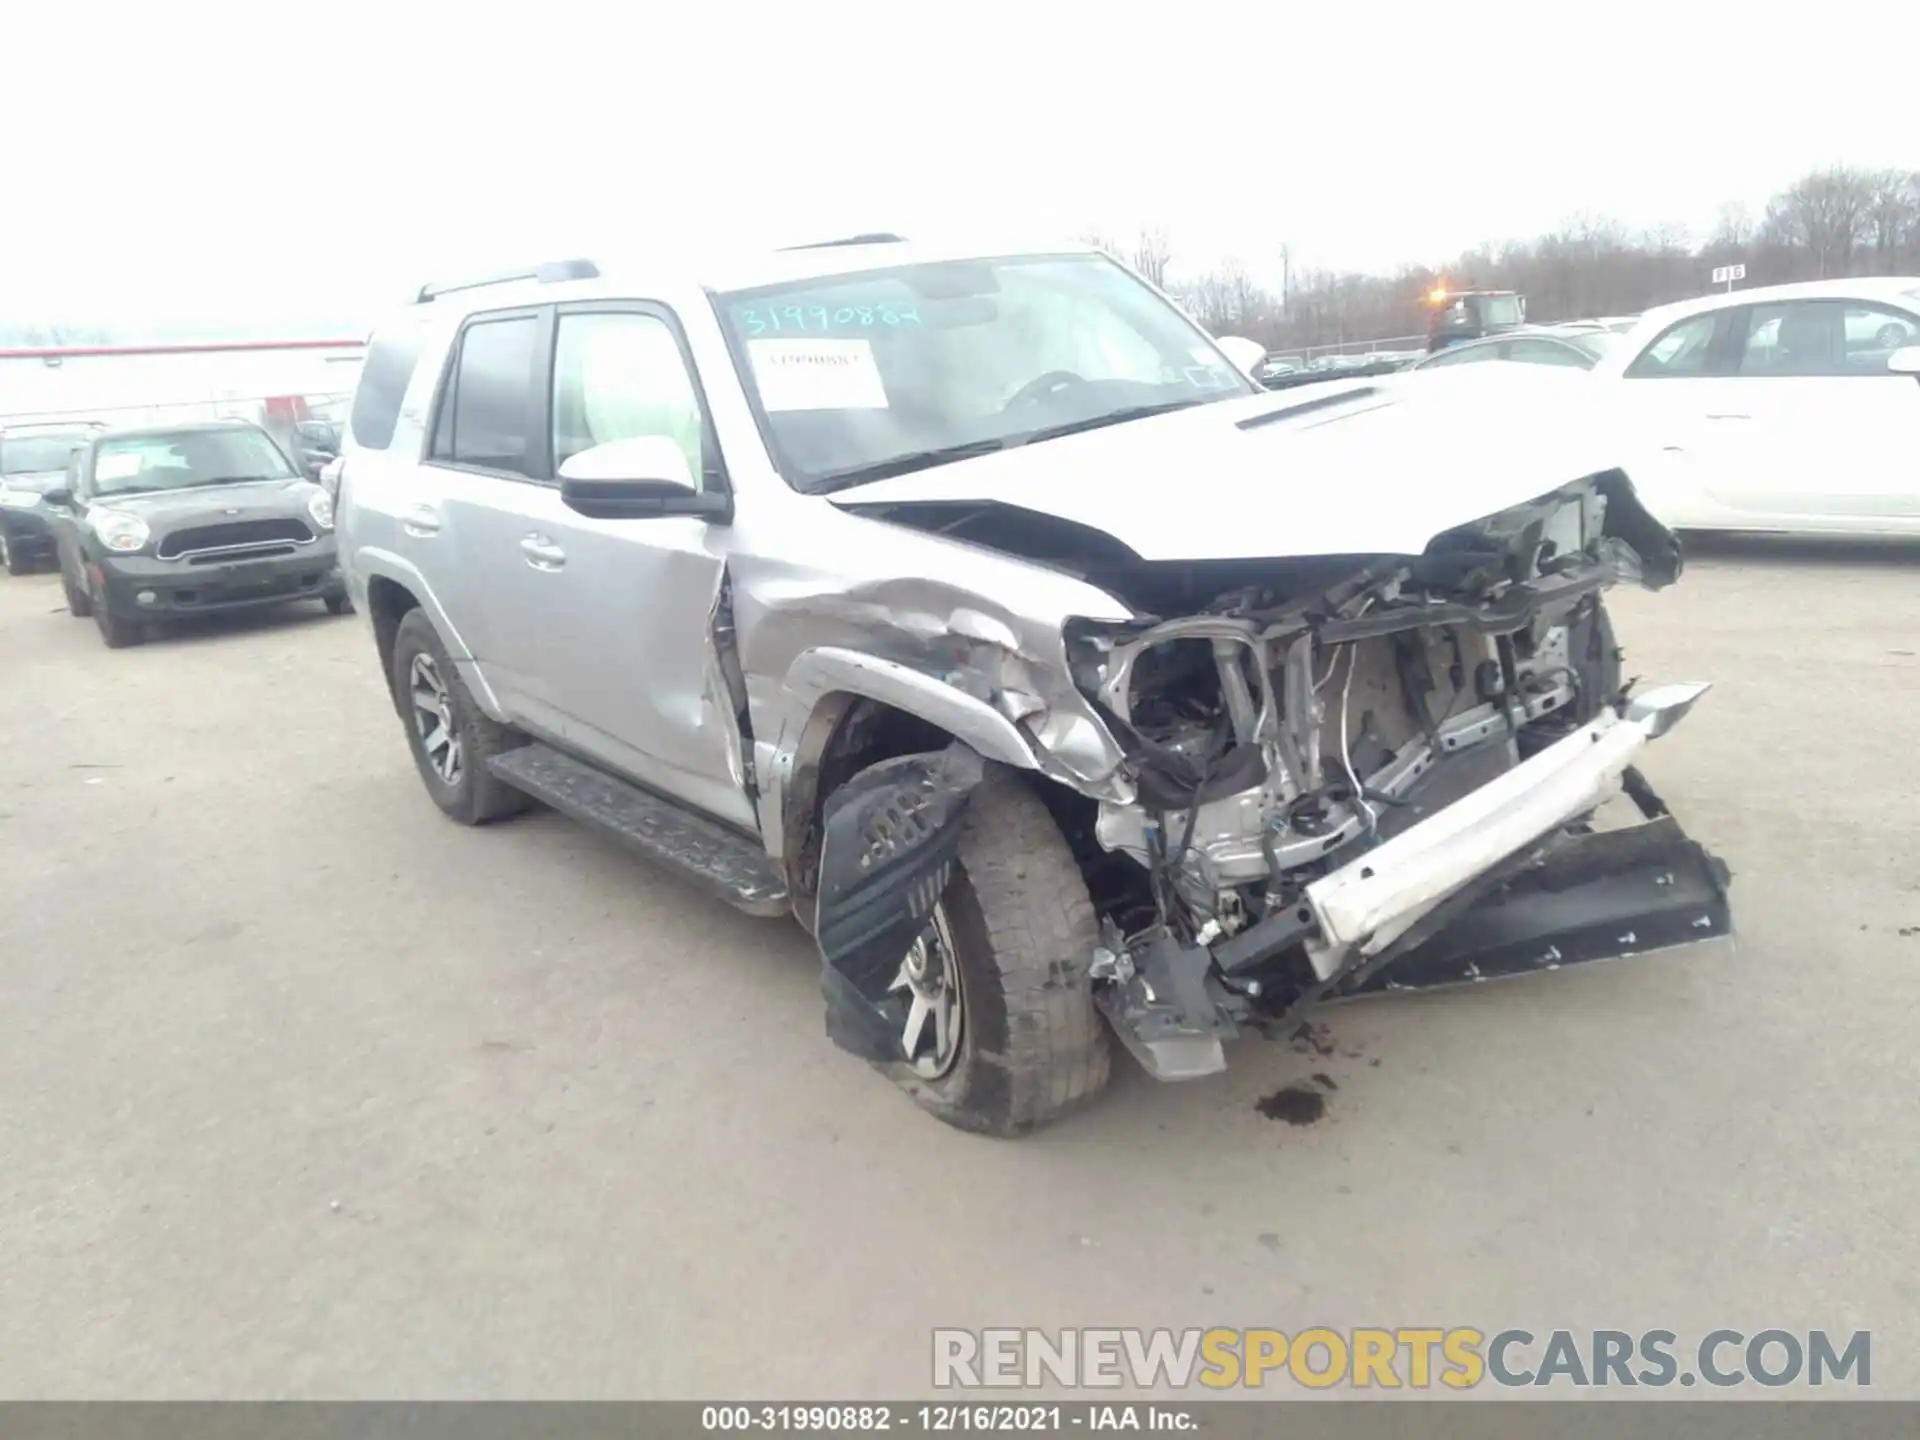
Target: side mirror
61	499
635	479
1905	360
1244	353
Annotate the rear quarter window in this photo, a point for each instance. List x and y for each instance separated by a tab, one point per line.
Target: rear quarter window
384	377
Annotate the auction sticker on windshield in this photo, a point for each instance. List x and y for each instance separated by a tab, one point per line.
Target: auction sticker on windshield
816	375
118	466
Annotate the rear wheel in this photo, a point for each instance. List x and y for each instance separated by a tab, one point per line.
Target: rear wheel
1001	1031
10	557
450	736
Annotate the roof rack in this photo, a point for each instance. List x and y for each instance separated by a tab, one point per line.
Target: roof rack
877	238
550	273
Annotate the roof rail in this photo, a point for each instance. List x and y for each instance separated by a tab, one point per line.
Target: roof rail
548	274
876	238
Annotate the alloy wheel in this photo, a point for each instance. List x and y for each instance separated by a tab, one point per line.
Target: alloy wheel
433	720
935	1015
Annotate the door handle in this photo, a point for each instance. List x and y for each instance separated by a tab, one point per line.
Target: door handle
542	553
1728	417
422	520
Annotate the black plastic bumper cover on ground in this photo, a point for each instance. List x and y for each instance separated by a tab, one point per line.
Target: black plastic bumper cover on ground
890	844
1599	896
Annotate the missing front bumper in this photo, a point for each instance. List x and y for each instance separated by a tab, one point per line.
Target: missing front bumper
1506	881
1599	896
1365	908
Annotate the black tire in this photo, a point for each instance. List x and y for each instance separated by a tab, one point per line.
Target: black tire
338	605
477	796
79	603
1032	1044
116	630
17	559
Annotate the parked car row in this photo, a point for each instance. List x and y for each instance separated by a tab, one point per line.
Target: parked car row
159	524
1790	408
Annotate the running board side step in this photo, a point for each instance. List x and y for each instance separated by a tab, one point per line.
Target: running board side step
712	856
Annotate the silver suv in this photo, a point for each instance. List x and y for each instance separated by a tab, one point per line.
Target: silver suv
974	608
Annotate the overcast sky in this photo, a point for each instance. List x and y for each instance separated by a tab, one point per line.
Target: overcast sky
224	162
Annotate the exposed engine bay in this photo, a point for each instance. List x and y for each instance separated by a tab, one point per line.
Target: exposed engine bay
1276	737
1339	774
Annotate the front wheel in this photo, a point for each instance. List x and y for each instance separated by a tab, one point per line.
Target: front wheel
451	737
116	630
79	602
1001	1032
338	605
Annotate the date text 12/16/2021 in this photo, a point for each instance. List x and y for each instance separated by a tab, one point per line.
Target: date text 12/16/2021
944	1419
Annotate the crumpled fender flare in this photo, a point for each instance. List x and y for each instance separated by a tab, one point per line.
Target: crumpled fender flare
889	848
820	672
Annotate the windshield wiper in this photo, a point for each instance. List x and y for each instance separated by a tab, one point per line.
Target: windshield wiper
1112	417
234	480
902	465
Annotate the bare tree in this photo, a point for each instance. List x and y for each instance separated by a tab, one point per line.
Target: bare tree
1150	256
1825	223
1892	218
1824	215
1734	227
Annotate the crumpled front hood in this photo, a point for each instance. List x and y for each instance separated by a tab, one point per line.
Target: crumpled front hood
1378	466
211	503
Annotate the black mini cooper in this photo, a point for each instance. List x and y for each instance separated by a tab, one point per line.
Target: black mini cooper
159	524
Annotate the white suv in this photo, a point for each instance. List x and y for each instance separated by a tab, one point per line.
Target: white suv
973	607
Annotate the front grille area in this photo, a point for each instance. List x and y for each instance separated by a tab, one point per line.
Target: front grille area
244	552
264	589
233	533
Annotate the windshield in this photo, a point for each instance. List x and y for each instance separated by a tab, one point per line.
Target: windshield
861	376
1499	310
140	464
35	454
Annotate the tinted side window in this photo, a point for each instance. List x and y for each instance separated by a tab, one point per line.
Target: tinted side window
383	385
1875	332
1545	352
486	413
620	375
1464	355
1682	349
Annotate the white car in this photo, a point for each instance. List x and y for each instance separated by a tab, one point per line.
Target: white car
1787	408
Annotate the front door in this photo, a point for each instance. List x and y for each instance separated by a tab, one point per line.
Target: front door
1837	435
633	648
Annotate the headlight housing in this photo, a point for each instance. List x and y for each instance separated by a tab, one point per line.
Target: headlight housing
118	530
320	507
18	499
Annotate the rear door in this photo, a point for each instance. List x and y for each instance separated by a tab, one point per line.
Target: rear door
491	479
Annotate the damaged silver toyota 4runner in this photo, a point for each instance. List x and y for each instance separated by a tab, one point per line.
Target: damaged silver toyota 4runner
977	610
